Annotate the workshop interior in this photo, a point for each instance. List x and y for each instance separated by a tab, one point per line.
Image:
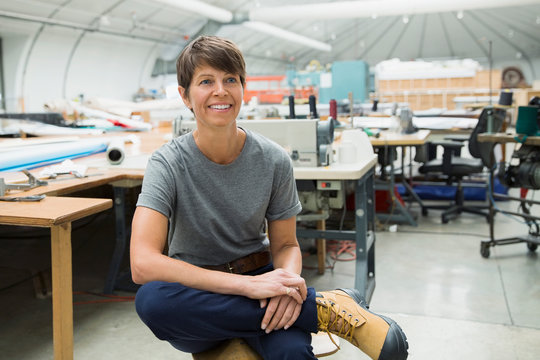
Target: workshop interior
413	128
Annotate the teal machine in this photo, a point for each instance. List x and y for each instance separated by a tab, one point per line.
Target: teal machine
344	78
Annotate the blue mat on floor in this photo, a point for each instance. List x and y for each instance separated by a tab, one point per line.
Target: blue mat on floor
448	192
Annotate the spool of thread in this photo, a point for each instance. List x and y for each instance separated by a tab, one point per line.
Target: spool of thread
505	98
375	103
312	107
292	115
333	109
115	152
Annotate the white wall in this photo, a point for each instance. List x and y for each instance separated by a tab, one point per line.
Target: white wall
61	66
14	46
47	62
108	66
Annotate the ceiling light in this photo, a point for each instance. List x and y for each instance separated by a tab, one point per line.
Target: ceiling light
538	20
459	14
519	55
373	16
225	16
287	35
405	19
201	8
104	20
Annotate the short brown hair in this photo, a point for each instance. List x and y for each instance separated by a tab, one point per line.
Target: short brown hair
213	51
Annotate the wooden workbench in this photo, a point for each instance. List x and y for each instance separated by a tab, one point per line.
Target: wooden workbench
398	139
504	138
56	213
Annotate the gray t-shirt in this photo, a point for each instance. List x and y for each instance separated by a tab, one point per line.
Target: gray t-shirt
217	212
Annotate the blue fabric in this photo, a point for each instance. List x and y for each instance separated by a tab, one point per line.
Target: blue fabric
448	192
192	320
41	155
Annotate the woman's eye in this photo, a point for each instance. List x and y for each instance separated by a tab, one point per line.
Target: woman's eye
205	82
231	80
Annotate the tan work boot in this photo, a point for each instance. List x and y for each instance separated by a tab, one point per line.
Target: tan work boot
345	313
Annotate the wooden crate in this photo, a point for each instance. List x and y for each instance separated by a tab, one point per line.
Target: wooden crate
481	80
523	96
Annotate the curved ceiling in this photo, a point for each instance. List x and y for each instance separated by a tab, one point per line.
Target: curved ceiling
448	33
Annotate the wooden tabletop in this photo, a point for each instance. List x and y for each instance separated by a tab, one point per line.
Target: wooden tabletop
50	211
398	139
336	171
508	138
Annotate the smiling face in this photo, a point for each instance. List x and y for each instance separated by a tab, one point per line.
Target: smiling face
214	96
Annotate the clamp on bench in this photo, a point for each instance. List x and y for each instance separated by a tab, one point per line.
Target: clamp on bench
32	183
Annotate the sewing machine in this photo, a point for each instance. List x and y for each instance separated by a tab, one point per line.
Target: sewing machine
308	141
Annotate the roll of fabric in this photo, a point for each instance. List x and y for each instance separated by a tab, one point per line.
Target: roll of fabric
30	157
116	152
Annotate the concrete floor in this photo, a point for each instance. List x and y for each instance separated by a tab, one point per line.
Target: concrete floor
451	302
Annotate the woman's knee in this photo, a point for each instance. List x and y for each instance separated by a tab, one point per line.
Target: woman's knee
151	302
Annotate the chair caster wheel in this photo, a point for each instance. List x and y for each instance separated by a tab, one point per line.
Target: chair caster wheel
484	250
532	246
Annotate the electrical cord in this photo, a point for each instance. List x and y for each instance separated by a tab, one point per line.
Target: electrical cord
109	298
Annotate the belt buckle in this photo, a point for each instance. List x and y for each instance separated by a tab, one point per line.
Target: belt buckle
230	268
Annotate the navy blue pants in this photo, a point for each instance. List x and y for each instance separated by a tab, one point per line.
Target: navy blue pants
193	320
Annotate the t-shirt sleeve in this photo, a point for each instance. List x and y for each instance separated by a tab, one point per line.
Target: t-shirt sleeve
158	191
284	202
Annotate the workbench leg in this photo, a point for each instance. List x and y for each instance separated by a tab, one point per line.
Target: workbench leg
62	291
364	280
120	240
321	248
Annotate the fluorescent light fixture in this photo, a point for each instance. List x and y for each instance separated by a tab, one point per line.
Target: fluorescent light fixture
201	8
225	16
287	35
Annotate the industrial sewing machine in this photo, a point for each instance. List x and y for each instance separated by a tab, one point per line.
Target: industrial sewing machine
308	141
309	144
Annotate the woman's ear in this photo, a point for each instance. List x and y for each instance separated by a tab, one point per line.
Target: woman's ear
185	97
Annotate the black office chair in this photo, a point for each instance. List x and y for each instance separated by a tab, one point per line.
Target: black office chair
454	167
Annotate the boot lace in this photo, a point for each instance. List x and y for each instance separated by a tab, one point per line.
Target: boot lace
344	329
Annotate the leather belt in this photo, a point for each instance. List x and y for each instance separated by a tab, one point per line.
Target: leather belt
244	264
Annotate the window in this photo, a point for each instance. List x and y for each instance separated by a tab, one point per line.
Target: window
163	67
